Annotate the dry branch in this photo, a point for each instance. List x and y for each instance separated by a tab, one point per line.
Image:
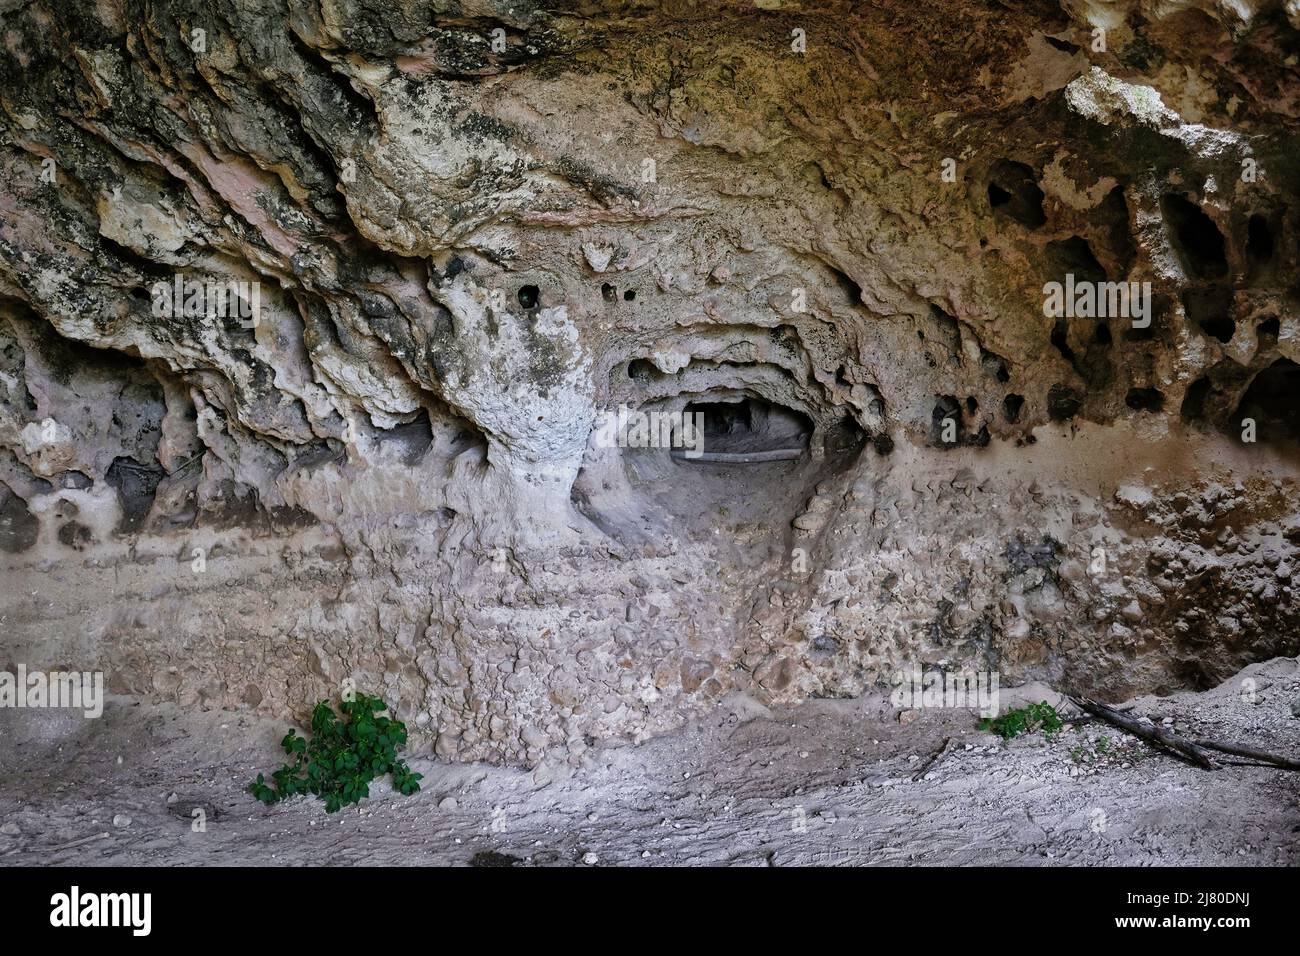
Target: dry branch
1193	751
1138	727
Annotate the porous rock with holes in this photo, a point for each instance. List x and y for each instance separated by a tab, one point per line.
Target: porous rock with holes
478	232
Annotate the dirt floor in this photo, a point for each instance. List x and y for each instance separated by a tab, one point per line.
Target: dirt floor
839	782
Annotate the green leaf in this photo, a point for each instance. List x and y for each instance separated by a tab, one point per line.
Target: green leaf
345	753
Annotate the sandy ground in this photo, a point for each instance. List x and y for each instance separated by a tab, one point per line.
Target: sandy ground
826	783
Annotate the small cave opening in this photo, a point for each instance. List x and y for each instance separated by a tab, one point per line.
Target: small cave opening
1195	238
1012	406
1063	402
1273	402
641	370
946	427
1145	399
1267	332
1060	339
1073	256
1210	310
136	486
19	528
1259	244
1161	304
1014	193
1194	399
410	439
529	296
1118	237
749	430
724	459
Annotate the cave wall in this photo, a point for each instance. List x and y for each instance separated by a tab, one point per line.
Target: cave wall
477	230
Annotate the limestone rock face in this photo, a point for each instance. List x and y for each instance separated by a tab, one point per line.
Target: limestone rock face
327	329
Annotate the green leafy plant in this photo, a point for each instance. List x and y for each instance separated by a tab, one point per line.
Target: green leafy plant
345	753
1025	720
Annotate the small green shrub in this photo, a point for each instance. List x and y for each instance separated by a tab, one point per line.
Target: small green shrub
1025	720
342	757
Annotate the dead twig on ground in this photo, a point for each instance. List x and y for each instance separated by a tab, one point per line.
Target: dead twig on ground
931	760
1193	750
1239	750
1179	746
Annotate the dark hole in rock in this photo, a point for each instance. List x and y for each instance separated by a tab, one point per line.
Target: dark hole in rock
75	535
1267	331
413	437
1196	239
1114	211
629	295
1211	310
136	486
18	526
1273	401
1013	193
1193	407
1160	306
1259	241
1063	402
751	427
1012	406
1101	334
946	422
608	292
1145	399
948	331
1061	339
1074	256
74	479
844	440
971	404
1065	46
529	295
641	370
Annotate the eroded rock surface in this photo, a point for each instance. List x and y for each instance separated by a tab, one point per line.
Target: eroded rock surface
463	236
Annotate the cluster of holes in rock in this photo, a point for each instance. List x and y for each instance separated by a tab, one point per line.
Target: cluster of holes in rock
529	296
610	294
1208	303
1014	193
